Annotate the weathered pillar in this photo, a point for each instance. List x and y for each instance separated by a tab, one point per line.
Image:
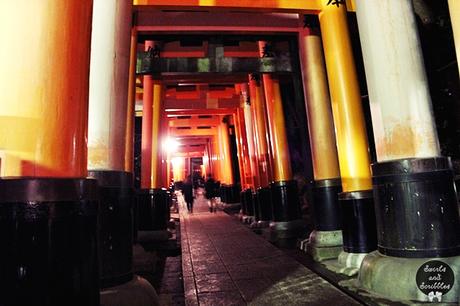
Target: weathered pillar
262	197
247	195
107	126
359	236
48	208
415	197
285	201
454	9
325	241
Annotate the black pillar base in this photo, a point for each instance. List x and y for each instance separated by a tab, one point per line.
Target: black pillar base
326	207
230	194
255	197
285	199
264	203
115	226
153	209
358	221
416	208
248	199
48	234
244	208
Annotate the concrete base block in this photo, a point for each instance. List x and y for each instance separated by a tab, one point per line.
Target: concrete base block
323	245
248	219
137	292
347	263
153	236
143	261
396	278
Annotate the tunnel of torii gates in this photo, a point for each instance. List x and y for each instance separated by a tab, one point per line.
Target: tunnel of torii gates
74	74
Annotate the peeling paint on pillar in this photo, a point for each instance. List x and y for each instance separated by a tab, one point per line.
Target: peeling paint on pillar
401	109
108	96
44	66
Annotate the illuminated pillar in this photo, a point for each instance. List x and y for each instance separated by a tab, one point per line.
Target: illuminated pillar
454	9
262	197
108	105
247	195
244	143
44	65
130	114
359	236
260	130
147	110
226	154
155	174
250	134
239	148
415	197
216	158
325	241
284	193
107	144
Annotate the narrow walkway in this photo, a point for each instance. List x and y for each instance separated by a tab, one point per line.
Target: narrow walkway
224	263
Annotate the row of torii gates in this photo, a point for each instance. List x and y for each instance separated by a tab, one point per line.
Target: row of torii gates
67	90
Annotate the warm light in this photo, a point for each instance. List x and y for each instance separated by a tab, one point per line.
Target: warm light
170	145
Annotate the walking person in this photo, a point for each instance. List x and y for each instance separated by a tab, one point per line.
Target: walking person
211	193
187	189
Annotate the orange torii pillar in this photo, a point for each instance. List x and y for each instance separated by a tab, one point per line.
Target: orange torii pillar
48	206
325	242
239	141
247	195
415	197
287	222
153	201
244	155
358	225
454	9
107	126
262	197
216	158
228	184
130	114
227	171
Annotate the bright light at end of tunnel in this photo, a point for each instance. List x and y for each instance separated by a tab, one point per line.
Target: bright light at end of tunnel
170	145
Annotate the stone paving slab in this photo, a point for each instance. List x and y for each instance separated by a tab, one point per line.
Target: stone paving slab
225	263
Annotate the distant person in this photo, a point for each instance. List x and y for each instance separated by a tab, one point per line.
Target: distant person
187	190
210	188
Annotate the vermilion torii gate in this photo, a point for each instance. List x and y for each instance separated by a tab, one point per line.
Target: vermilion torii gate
45	153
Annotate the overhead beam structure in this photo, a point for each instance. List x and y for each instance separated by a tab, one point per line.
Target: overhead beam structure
301	6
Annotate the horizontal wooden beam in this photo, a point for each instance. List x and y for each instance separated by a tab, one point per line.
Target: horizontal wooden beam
215	111
194	122
303	6
177	132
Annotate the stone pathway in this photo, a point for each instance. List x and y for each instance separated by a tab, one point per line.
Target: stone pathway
224	263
